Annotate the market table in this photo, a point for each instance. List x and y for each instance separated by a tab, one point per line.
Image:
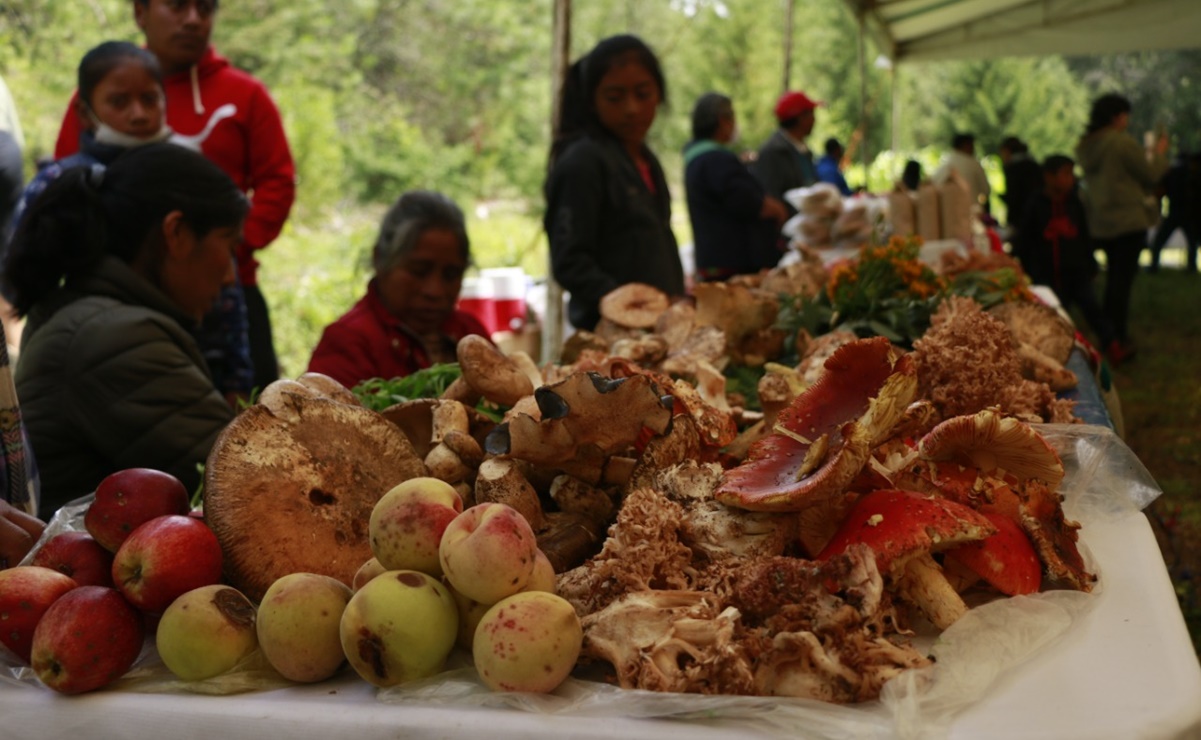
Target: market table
1122	668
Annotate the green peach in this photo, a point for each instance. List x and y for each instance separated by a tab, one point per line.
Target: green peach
399	627
407	523
299	626
488	552
527	642
206	631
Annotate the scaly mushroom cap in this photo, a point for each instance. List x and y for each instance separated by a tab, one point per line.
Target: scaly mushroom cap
824	438
291	489
991	442
487	370
634	305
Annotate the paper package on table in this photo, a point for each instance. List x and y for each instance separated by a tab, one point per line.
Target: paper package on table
1104	481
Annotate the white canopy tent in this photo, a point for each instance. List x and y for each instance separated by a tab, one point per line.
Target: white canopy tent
929	30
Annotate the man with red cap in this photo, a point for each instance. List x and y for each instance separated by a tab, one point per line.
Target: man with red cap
784	160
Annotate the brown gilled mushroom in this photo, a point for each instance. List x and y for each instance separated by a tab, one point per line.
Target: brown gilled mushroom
991	442
293	490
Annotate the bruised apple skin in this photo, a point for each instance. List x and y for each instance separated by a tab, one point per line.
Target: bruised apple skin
129	498
527	642
26	592
407	523
78	555
206	632
488	552
86	640
399	627
298	626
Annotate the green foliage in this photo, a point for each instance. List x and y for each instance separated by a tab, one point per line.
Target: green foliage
378	394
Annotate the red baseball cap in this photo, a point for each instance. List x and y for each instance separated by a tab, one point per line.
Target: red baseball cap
792	104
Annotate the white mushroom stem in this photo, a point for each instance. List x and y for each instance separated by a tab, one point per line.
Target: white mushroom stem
500	480
924	585
445	464
448	416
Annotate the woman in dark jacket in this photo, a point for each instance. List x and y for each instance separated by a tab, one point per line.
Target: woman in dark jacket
608	210
112	266
734	221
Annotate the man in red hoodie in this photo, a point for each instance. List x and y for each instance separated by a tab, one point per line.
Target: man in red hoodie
231	117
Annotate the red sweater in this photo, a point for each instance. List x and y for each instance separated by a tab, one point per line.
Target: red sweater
246	140
368	342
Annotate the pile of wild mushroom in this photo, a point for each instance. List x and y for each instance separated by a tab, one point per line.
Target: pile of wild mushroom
707	548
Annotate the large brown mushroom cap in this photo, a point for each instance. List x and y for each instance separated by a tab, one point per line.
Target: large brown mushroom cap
292	489
634	305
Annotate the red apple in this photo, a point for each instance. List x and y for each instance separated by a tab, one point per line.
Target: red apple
78	555
129	498
164	559
87	639
26	592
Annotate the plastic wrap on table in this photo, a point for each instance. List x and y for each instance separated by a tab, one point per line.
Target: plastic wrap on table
1105	482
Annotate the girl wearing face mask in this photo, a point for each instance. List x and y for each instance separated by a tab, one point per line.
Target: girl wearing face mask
121	106
608	211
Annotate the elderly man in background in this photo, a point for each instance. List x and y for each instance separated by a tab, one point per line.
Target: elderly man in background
785	161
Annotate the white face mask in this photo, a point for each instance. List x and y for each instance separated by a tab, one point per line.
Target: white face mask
106	134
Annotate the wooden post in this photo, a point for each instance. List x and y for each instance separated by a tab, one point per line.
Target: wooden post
865	151
789	7
552	322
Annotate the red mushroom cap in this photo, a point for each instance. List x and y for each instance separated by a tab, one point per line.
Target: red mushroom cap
1006	559
824	438
900	524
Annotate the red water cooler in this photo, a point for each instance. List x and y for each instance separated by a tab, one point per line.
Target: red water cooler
508	285
477	298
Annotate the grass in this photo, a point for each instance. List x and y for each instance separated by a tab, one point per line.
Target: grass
1161	406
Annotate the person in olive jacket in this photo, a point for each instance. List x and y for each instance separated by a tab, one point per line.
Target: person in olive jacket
608	209
735	223
111	267
1119	180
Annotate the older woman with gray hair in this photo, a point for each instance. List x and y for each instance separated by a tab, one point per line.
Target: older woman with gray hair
407	320
735	223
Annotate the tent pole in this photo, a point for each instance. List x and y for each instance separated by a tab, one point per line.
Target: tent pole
863	122
552	323
787	78
896	107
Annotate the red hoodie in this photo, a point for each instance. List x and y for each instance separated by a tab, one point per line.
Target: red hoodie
238	127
